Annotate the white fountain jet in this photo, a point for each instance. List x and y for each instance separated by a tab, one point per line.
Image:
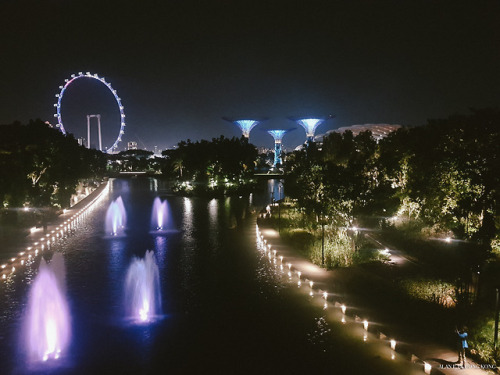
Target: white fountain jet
159	215
47	323
142	290
116	218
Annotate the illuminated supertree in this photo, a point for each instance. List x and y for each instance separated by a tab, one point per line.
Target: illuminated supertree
246	125
278	135
310	124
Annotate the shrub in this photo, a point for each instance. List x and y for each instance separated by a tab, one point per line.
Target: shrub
434	291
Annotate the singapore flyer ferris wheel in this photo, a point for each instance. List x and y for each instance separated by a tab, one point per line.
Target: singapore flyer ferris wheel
96	77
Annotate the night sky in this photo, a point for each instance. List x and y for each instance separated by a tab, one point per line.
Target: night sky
179	66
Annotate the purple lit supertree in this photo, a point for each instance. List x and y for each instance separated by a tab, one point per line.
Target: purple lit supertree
246	125
310	124
278	135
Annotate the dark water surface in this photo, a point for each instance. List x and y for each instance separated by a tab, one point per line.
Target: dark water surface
226	311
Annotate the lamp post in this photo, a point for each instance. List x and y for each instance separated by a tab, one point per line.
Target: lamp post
322	240
279	207
497	308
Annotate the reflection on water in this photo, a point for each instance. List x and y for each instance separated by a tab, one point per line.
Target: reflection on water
275	190
225	304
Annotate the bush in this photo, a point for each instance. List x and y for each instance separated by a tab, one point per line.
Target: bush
300	239
435	291
481	339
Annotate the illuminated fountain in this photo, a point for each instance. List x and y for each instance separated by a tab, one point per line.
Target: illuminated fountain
159	215
116	218
142	290
47	325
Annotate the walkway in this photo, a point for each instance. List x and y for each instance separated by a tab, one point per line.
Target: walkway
427	357
41	239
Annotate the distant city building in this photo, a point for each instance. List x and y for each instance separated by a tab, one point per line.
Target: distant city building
156	151
81	141
132	145
265	150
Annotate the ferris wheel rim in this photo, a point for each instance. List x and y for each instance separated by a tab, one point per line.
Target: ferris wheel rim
95	76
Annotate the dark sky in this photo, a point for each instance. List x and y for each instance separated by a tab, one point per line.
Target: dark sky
179	66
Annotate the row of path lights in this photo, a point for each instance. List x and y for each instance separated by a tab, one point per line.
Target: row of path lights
264	245
28	256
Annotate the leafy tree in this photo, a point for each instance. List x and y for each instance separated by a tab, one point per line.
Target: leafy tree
40	166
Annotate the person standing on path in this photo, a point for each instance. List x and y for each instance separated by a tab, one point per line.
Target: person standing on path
462	336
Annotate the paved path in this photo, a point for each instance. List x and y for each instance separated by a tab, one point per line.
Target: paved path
33	245
441	359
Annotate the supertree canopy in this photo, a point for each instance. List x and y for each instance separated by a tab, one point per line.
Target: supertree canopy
246	125
310	124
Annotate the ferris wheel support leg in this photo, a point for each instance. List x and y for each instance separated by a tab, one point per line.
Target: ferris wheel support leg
99	129
88	131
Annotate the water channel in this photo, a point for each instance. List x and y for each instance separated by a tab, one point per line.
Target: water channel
224	308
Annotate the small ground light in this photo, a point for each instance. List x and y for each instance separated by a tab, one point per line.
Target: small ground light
274	252
311	293
427	368
448	239
393	344
299	273
299	283
289	266
343	309
281	258
365	325
325	295
365	337
343	319
311	283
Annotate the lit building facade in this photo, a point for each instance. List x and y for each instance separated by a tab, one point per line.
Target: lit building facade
378	131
